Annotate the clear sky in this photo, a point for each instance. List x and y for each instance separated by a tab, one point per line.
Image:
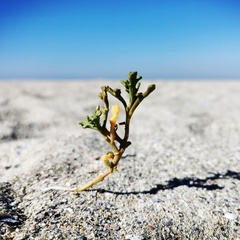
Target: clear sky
67	39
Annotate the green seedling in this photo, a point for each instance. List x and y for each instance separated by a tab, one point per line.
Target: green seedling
99	121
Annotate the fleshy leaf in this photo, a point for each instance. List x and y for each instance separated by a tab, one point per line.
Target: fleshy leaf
93	121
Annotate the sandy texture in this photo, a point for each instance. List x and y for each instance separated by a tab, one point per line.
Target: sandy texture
180	178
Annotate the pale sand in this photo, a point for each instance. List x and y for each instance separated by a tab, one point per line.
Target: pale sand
180	178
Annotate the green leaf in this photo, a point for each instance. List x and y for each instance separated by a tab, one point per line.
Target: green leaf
132	85
93	121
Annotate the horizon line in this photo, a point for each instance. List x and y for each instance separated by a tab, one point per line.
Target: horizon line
117	79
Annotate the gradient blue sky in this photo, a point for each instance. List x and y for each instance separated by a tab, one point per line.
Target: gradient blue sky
107	39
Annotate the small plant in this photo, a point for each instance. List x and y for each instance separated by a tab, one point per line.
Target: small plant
98	121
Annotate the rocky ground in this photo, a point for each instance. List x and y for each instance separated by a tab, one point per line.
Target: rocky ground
180	178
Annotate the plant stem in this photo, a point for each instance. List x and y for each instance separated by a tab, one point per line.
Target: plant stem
101	177
93	182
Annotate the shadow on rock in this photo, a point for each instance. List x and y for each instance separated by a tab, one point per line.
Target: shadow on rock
189	182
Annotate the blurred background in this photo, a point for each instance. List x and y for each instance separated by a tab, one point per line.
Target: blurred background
77	39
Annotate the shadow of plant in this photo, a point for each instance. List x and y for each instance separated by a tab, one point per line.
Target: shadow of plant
189	182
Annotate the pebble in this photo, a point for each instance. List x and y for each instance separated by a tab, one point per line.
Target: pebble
150	227
230	216
117	228
134	237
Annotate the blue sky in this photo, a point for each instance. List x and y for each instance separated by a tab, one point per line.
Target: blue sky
75	39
